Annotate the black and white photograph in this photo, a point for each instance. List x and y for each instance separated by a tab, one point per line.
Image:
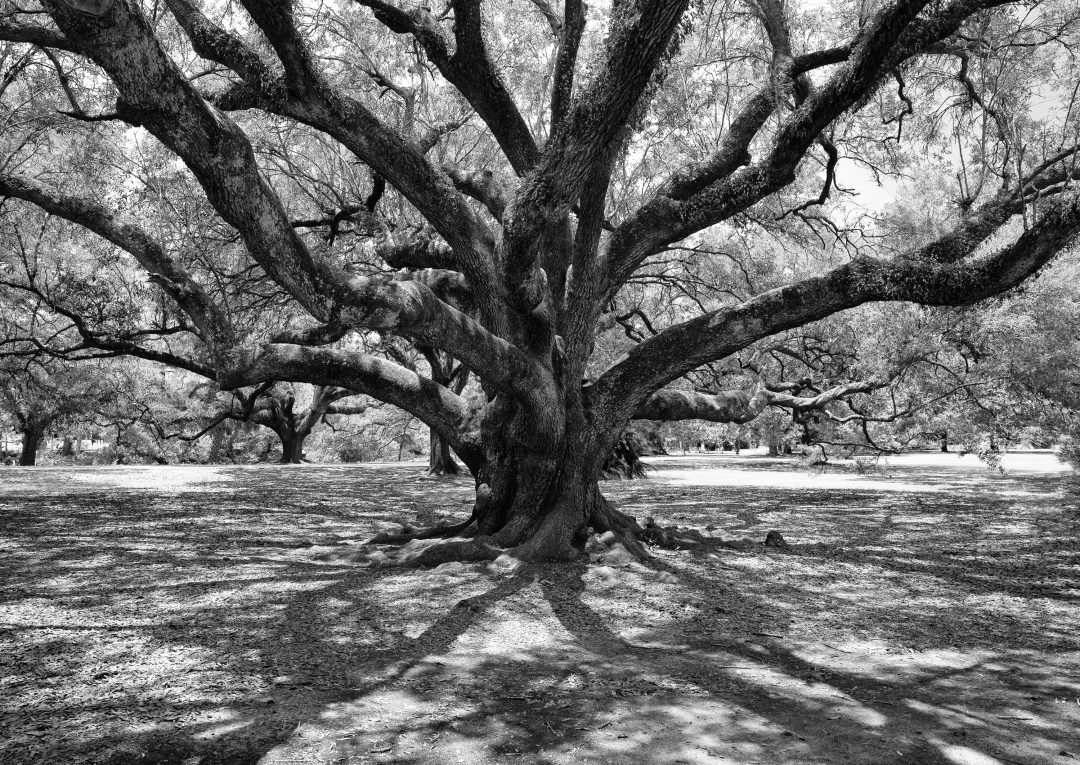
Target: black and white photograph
540	382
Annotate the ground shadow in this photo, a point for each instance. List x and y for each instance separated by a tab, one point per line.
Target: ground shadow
164	616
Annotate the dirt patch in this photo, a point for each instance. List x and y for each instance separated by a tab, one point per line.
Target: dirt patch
930	614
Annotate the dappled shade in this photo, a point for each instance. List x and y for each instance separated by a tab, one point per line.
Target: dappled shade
928	615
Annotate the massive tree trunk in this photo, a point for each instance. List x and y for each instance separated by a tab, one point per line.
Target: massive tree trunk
537	501
538	488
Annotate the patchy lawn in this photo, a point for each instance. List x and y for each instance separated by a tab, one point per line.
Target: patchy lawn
931	614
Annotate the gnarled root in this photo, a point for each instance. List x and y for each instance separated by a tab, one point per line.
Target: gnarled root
672	537
408	534
464	551
607	520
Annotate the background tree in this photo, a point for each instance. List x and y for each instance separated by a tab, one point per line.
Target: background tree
43	398
290	414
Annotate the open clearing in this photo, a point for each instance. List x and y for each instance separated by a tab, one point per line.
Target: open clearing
201	615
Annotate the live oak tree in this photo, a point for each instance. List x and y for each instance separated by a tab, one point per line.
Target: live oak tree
40	396
520	259
279	408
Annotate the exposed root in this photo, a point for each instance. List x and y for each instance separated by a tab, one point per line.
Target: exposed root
776	540
605	518
409	533
612	538
620	529
464	551
672	537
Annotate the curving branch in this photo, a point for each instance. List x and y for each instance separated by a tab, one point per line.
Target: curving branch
154	93
438	407
470	69
306	97
739	406
707	193
483	186
162	269
917	277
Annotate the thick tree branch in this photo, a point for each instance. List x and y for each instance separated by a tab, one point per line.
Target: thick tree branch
163	270
915	277
562	80
323	334
434	404
739	406
16	31
483	186
587	139
470	70
155	94
419	253
309	99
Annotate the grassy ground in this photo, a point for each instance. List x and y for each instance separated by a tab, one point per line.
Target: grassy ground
208	615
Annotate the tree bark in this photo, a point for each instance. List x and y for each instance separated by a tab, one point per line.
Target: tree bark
538	503
220	444
292	447
440	459
32	437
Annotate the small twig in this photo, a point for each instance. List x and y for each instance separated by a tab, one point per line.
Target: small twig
767	634
732	666
1006	759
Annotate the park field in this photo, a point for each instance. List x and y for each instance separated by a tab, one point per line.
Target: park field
929	613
